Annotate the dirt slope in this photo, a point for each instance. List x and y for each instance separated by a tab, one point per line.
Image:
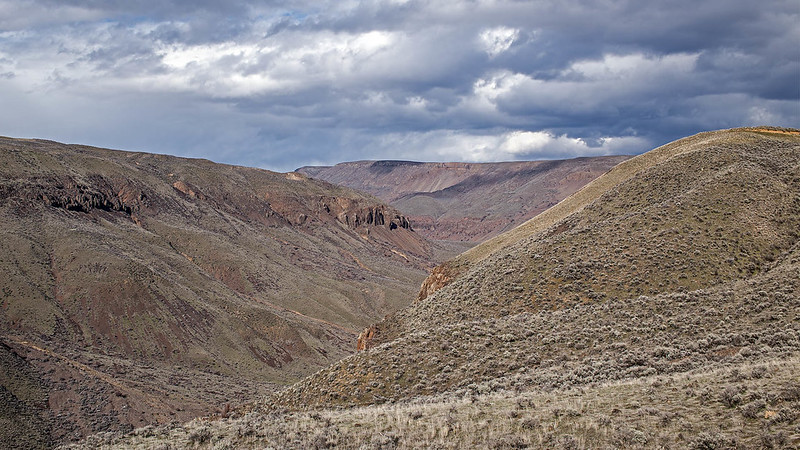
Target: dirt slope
142	288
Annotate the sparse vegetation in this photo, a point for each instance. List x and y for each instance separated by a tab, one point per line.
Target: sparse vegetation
660	411
146	288
596	342
726	205
657	308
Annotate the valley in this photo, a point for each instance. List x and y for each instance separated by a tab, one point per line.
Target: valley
142	289
468	202
657	306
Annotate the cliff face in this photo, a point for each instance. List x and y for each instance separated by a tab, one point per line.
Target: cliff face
64	191
356	214
466	201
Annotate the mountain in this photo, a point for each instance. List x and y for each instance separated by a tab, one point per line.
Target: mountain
141	288
467	201
658	307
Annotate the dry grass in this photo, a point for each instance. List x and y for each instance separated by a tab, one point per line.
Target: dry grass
584	197
600	186
748	405
579	345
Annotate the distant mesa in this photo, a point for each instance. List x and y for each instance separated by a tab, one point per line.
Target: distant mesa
467	201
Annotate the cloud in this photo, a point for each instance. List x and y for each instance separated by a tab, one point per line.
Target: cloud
285	83
20	15
498	40
594	87
454	145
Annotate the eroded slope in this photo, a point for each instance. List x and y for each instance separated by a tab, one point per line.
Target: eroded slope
144	288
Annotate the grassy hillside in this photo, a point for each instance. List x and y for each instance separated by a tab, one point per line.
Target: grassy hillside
142	288
694	243
757	318
727	194
744	405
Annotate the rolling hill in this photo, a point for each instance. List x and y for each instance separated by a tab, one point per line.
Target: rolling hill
708	217
467	201
658	307
683	260
140	288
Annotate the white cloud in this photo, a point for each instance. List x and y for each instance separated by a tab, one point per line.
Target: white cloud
179	57
586	86
454	145
497	40
231	69
228	69
618	67
526	142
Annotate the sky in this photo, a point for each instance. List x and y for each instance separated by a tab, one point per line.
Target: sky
282	84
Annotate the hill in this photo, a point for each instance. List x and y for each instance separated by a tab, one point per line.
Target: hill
141	288
658	307
467	201
684	258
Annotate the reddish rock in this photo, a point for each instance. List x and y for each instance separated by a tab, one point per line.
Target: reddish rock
365	338
440	277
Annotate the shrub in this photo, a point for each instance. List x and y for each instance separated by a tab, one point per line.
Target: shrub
200	436
711	441
730	397
753	409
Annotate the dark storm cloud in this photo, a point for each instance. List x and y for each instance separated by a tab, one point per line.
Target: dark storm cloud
284	83
154	9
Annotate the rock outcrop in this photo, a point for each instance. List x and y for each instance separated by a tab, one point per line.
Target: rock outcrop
440	276
64	191
356	214
365	337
